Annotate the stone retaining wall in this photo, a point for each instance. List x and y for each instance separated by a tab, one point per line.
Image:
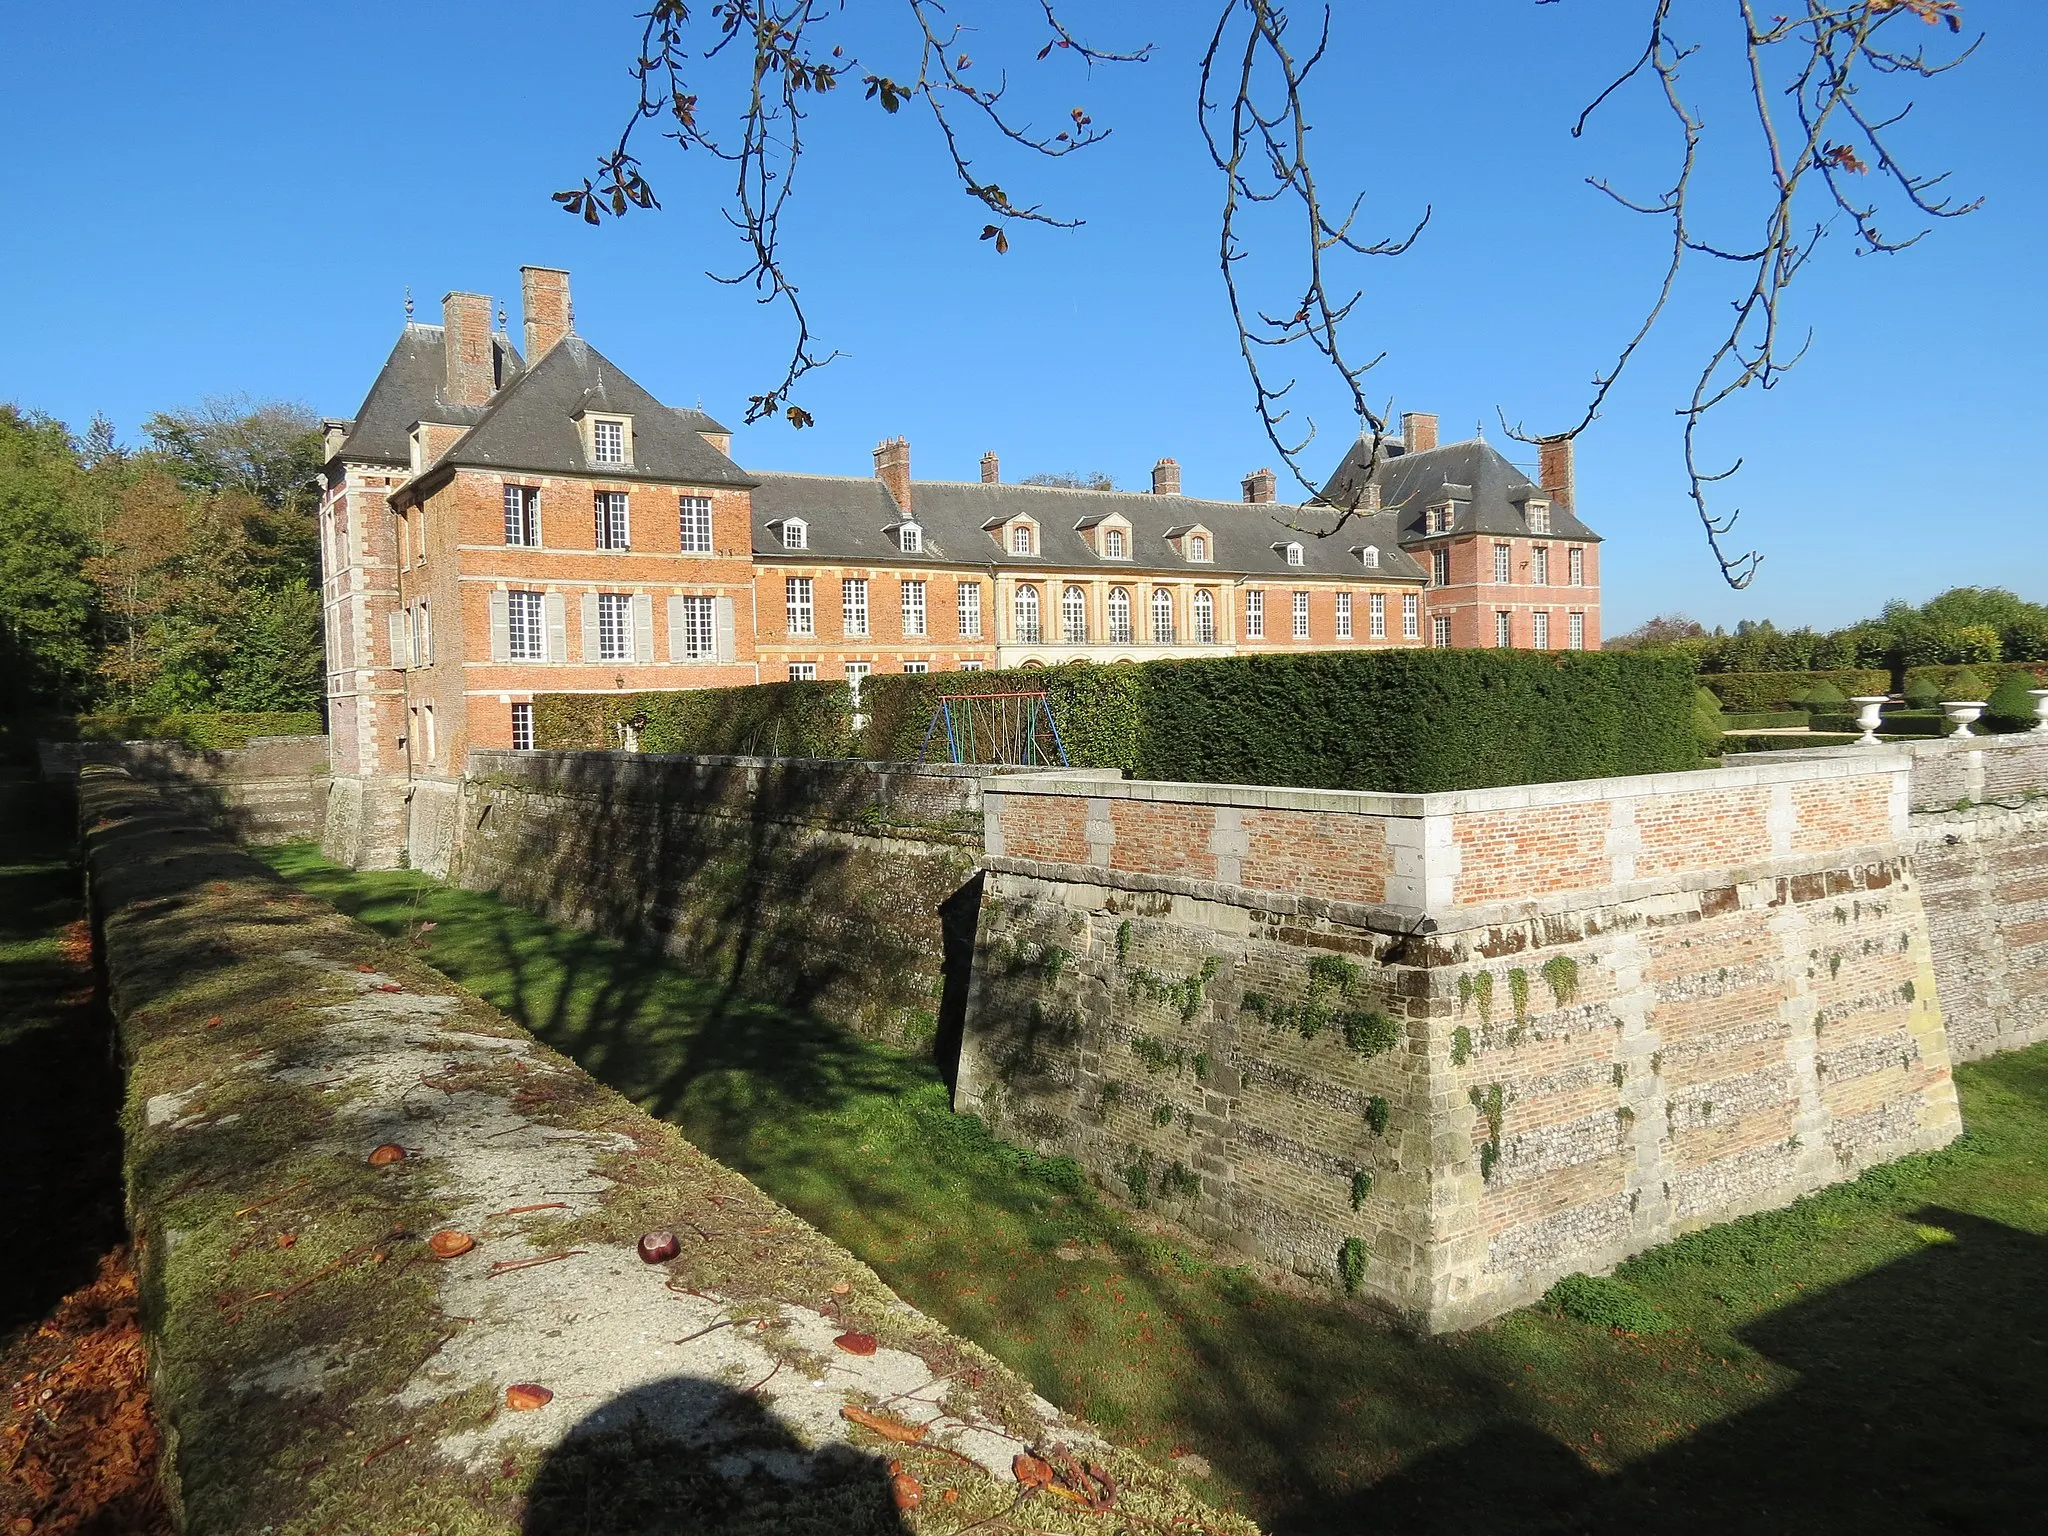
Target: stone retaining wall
319	1366
274	790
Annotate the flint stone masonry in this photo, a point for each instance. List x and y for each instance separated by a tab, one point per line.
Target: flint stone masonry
316	1367
1495	1036
274	790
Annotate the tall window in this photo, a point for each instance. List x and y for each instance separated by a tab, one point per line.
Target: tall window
853	604
970	610
614	626
1343	615
694	515
1503	629
796	534
1301	615
1119	616
1162	616
1575	566
522	727
1539	631
803	671
1575	631
1027	615
1074	616
608	442
1255	615
612	529
427	722
801	616
1503	562
698	641
1440	634
422	637
1539	565
1205	619
1440	567
522	515
523	631
1198	547
1539	517
1411	616
1020	540
856	674
913	608
1113	543
1376	615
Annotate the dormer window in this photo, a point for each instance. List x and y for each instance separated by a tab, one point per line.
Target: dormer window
1442	518
1539	516
607	442
910	539
1198	547
1113	543
796	533
1020	540
1293	553
1369	558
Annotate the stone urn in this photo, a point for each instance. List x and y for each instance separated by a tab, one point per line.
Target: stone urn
1868	707
2040	698
1962	714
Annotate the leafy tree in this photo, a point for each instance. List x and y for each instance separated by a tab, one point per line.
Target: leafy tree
276	663
1067	480
1656	633
46	604
270	454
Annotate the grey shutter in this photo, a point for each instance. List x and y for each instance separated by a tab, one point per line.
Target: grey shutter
590	626
399	637
643	628
558	626
678	649
501	627
723	628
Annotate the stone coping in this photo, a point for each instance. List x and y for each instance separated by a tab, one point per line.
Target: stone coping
495	759
320	1366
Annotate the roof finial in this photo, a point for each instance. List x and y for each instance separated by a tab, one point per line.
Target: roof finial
501	314
408	303
1479	431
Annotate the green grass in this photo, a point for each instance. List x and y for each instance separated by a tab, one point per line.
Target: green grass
1872	1359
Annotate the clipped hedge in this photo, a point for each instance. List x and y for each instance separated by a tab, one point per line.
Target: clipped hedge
1417	721
1764	719
1099	710
1938	683
1749	692
205	730
1737	744
763	720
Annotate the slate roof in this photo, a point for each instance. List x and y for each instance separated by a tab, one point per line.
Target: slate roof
408	389
1489	491
852	519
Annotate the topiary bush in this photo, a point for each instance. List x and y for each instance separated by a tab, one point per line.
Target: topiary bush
1604	1302
1965	685
2010	708
1707	722
1825	698
1921	692
1746	692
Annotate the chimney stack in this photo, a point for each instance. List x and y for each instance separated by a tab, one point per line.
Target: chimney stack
1418	431
991	470
1554	469
1166	478
544	302
466	342
1369	496
892	468
1261	486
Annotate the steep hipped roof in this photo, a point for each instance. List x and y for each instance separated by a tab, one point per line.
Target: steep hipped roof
853	518
1490	493
530	425
409	388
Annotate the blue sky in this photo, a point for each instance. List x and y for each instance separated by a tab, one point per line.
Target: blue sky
234	197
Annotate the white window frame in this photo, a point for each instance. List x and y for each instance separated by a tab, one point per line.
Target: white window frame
1294	554
1204	607
1300	609
1254	614
693	524
1539	565
1539	630
803	671
615	626
607	441
522	516
1163	628
970	665
1074	616
700	628
1120	630
522	727
1440	567
1575	631
1503	563
614	520
1025	615
1440	633
1411	616
1198	549
1503	629
969	604
856	674
1376	615
916	668
1113	543
913	607
526	628
853	605
796	533
910	539
1539	516
1575	566
1020	539
1343	615
799	607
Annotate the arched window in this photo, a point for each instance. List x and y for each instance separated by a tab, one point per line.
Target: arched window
1162	617
1119	616
1294	554
1205	619
1027	616
1113	543
1198	547
1020	540
1074	616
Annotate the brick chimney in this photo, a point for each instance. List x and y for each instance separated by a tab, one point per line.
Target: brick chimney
466	341
892	468
1418	431
1261	486
544	301
1369	497
1166	478
991	470
1554	469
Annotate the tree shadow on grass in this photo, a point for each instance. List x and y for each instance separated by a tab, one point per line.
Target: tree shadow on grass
1919	1408
690	1455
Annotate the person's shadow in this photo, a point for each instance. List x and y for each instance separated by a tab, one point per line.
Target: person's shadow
690	1455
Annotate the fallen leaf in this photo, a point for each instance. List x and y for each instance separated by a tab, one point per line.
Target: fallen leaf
214	1022
368	970
856	1343
450	1244
386	1155
287	1239
1031	1471
885	1426
389	986
524	1397
841	1288
950	1496
906	1490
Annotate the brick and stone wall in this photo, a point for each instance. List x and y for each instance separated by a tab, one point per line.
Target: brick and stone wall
1984	878
274	790
1493	1037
